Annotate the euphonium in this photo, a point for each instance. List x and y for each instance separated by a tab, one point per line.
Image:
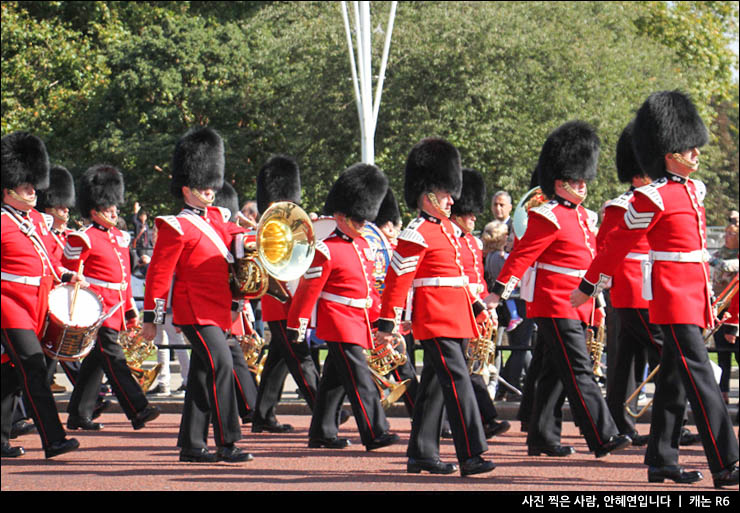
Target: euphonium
481	351
532	198
284	251
382	360
137	349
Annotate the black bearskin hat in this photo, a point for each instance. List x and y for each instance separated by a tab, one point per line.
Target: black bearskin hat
278	180
388	210
667	122
101	186
357	193
24	160
627	166
228	198
198	161
432	164
472	199
61	190
571	152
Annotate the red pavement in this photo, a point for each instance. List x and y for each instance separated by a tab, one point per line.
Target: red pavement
121	459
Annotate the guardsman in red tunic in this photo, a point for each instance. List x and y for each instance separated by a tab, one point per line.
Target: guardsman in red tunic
472	201
102	251
279	180
558	245
428	258
56	201
196	247
339	283
670	212
244	380
29	271
636	335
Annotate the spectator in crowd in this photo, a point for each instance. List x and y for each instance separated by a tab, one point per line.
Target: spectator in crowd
501	207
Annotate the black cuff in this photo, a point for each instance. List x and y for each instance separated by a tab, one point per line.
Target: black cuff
292	335
498	289
148	316
131	314
67	276
478	307
386	325
587	288
236	306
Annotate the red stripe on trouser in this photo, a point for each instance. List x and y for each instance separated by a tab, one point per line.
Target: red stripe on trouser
295	358
215	395
28	396
354	387
650	335
457	399
112	375
575	383
241	390
698	398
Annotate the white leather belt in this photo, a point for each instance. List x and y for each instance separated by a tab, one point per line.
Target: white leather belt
561	270
442	281
638	256
26	280
696	256
106	284
349	301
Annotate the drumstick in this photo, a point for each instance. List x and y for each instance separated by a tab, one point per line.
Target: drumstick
74	294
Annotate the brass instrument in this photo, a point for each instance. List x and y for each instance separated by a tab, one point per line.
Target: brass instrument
481	351
595	345
284	251
252	346
137	349
382	360
720	304
532	198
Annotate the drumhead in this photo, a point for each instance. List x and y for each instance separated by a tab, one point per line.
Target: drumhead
88	306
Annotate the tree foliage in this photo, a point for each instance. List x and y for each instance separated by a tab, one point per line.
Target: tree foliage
121	81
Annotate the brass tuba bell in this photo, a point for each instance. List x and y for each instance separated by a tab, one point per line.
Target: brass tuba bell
382	360
284	251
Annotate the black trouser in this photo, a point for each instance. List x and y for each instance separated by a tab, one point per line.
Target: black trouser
635	336
282	358
106	358
445	386
29	365
210	396
567	367
724	355
244	380
517	365
346	372
407	371
486	407
685	372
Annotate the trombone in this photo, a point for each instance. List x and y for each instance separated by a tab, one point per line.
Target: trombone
720	305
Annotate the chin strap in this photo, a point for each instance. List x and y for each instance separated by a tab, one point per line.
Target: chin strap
433	199
18	197
681	160
202	198
572	191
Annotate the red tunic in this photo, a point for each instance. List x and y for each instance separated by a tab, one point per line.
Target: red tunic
626	290
670	212
471	255
24	305
105	256
201	293
560	239
428	258
341	270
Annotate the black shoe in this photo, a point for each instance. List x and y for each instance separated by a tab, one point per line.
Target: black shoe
84	423
62	446
524	427
233	454
688	438
639	440
247	418
475	465
383	440
495	428
144	416
12	452
22	427
100	407
201	455
613	444
726	477
557	451
271	427
415	466
446	433
329	443
675	474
